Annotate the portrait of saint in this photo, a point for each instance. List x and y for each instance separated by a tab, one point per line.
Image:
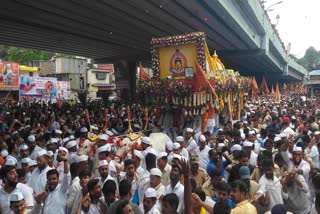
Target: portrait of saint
178	63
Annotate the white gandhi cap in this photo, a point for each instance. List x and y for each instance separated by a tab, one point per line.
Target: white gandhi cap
156	172
146	140
150	193
103	163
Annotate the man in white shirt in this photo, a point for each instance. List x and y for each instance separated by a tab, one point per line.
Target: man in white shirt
72	149
302	166
191	143
253	139
162	162
10	178
17	205
203	152
184	151
103	171
75	186
155	182
149	202
285	127
312	151
56	194
175	186
91	203
38	179
62	151
269	187
297	189
248	147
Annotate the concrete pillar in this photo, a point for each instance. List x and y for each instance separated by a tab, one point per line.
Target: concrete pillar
132	67
311	92
265	43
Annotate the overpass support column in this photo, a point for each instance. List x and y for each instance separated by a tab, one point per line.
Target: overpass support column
265	43
132	67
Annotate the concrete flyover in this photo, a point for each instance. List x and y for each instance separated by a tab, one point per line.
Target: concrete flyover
108	30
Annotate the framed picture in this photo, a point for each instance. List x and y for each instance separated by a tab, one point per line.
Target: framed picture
189	73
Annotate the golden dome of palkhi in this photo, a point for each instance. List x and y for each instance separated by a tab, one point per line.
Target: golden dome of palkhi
217	65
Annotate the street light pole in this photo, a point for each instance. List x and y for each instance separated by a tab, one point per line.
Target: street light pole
279	2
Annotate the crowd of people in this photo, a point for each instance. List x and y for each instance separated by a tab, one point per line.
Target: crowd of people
73	159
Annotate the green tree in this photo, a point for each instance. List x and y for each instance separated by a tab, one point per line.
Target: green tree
310	59
25	56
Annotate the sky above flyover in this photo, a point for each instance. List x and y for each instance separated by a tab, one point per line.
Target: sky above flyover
298	23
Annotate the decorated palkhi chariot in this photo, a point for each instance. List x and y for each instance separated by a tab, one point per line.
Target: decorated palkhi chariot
189	81
189	84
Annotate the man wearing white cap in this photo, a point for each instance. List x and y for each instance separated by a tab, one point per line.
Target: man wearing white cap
297	163
103	153
72	149
138	158
203	152
146	145
191	143
52	145
175	186
84	143
162	162
24	151
33	147
169	146
62	152
17	205
38	179
234	157
58	134
184	151
103	171
155	182
253	139
248	147
149	202
10	178
102	140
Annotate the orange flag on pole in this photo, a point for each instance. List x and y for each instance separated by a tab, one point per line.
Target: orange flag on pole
254	89
264	87
278	95
143	74
272	91
285	88
201	80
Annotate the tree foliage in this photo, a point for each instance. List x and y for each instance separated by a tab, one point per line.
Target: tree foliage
22	55
25	56
311	59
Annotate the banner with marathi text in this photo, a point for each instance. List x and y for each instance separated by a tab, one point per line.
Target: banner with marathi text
37	88
9	76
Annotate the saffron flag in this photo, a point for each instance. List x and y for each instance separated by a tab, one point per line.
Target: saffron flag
254	89
272	90
201	80
285	88
143	74
264	87
278	95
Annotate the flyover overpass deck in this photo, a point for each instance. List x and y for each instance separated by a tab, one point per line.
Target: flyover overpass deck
107	30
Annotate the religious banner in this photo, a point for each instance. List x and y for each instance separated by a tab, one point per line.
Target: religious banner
9	76
175	61
64	90
37	89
